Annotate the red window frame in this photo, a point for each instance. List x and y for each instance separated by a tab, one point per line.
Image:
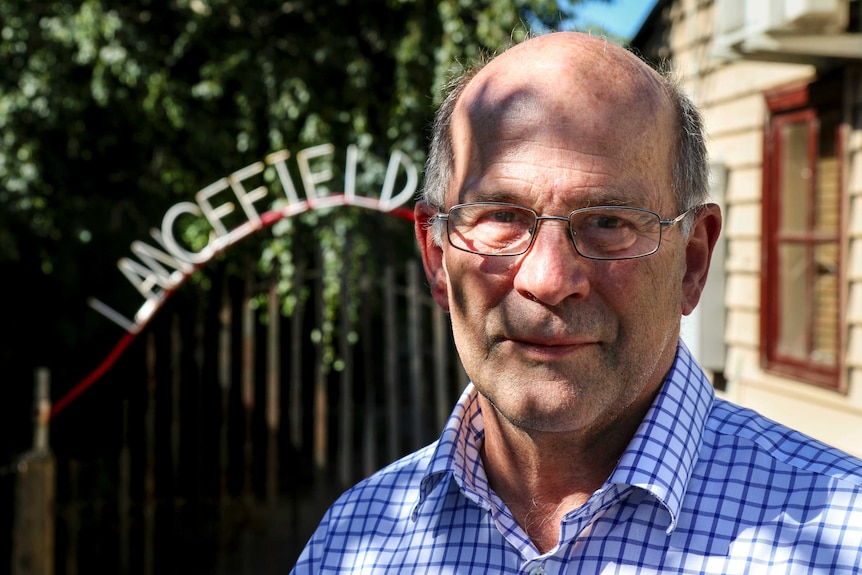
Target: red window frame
793	107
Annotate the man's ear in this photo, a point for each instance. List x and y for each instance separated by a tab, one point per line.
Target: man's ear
432	254
698	253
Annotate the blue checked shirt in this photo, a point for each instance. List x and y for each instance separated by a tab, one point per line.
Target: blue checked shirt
704	487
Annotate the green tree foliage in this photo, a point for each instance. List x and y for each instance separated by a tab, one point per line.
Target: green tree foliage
113	110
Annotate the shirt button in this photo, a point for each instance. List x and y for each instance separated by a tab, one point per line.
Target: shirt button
537	570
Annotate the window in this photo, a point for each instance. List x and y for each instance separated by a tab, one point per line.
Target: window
801	297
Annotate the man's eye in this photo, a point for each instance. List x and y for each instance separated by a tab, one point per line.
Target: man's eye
501	217
608	222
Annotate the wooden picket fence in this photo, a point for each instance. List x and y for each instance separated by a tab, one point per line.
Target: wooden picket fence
232	436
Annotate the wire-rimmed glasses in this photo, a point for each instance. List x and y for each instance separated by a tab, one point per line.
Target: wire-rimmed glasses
598	232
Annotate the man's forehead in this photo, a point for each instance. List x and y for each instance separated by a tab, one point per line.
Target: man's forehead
560	71
501	110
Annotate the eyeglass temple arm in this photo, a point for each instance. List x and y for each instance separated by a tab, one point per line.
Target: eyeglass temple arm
678	219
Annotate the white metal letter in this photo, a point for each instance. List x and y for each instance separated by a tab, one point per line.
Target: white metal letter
311	179
247	199
350	173
387	202
214	215
279	160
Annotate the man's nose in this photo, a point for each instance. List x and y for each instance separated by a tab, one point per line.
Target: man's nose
552	270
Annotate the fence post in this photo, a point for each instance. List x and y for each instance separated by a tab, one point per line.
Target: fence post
273	393
33	544
417	384
390	373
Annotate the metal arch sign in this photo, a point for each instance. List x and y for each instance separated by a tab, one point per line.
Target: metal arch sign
150	274
159	271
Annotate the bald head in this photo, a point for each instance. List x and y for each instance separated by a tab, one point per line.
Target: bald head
563	64
593	90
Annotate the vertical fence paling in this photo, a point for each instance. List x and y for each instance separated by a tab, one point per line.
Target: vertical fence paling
150	463
320	385
391	393
72	517
297	319
345	436
369	436
224	380
416	384
273	392
247	377
124	498
198	360
176	386
442	396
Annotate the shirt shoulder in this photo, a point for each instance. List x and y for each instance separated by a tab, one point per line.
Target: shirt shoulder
752	437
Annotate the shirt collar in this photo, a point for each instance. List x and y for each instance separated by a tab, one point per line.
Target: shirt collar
662	454
458	452
659	459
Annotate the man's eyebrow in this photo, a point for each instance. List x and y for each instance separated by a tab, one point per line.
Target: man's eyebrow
597	197
473	195
608	199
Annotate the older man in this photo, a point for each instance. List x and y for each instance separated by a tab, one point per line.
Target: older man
565	228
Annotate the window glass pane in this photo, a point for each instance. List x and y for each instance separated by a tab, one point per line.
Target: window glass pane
828	191
825	334
827	196
792	301
795	174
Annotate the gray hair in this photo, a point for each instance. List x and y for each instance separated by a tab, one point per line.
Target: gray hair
689	168
441	155
689	160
